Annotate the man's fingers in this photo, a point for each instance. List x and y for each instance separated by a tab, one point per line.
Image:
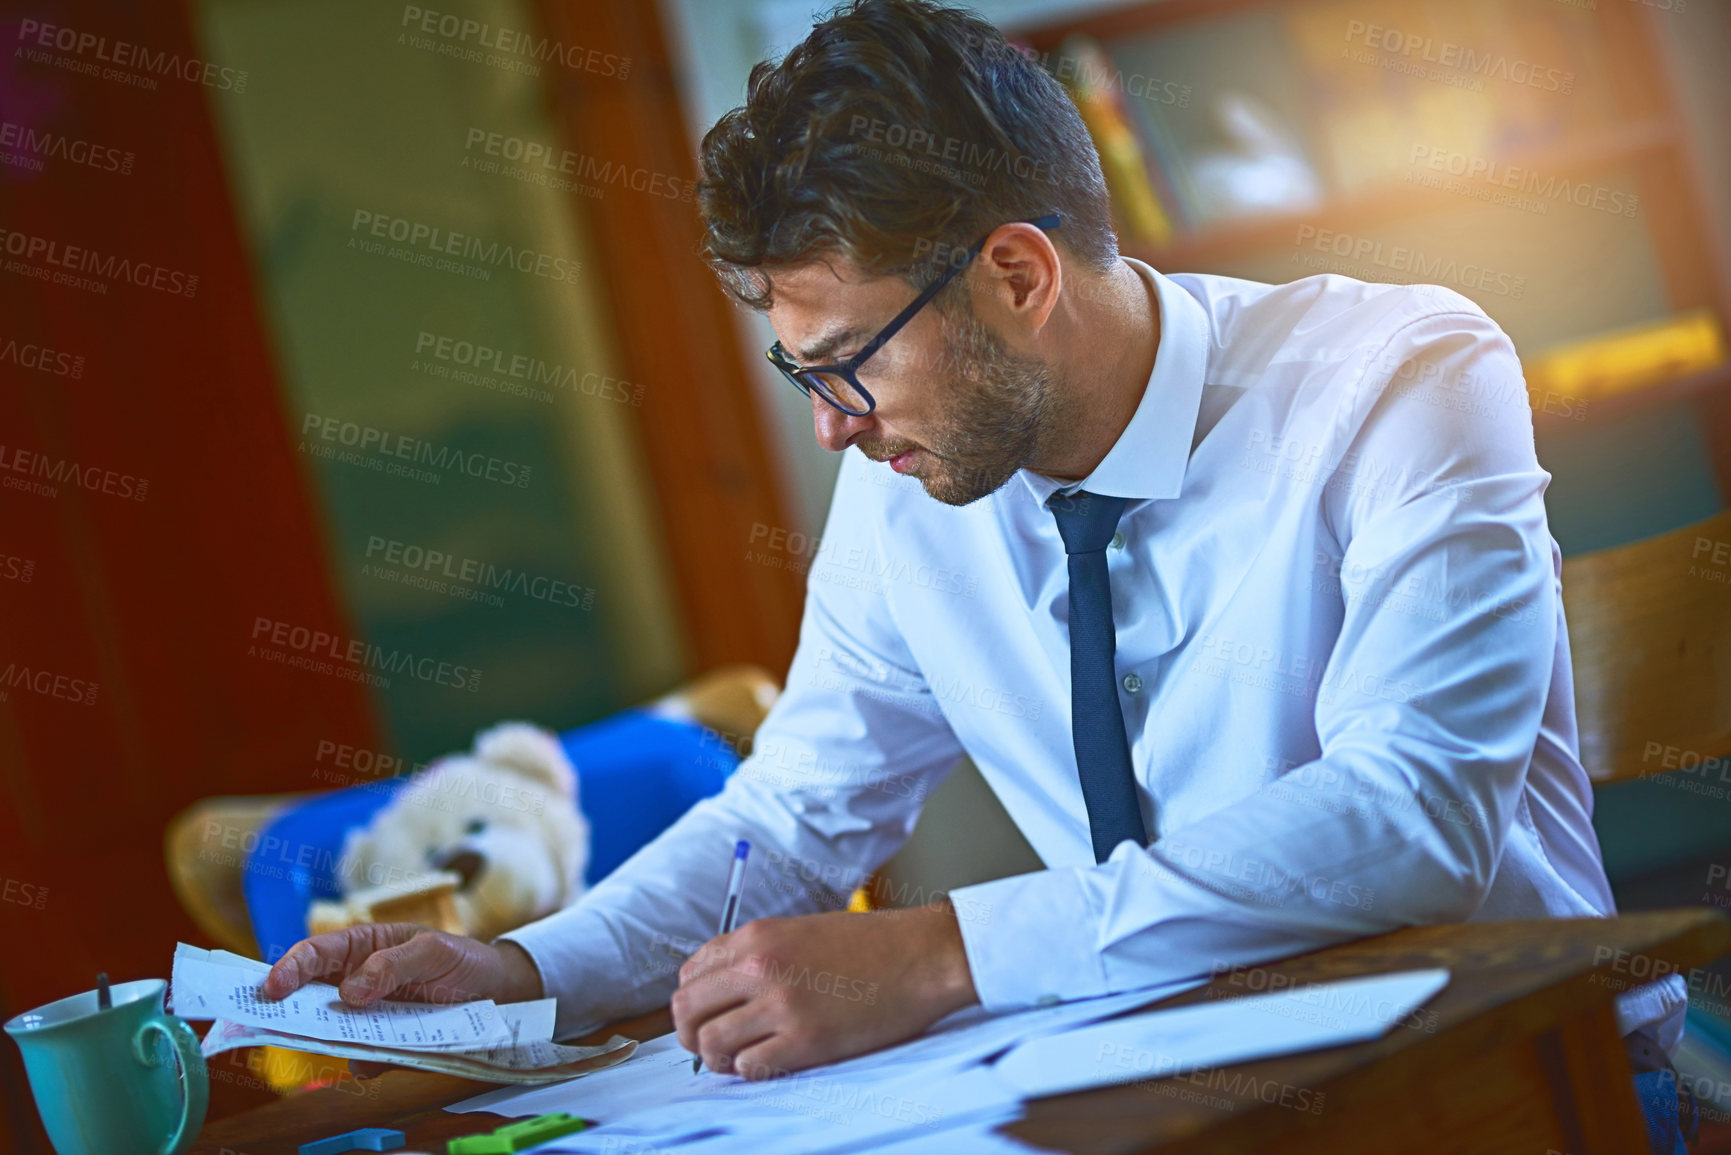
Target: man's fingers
696	1003
767	1058
692	969
330	957
722	1038
321	957
285	977
385	971
712	955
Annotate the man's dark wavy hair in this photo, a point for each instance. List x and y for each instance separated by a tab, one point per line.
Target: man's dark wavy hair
897	134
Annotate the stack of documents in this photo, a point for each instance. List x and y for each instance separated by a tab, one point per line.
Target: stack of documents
934	1084
946	1092
512	1043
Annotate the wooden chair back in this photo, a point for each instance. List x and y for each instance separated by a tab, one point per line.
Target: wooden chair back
1650	635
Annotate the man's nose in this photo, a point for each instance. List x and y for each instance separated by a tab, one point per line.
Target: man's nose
835	428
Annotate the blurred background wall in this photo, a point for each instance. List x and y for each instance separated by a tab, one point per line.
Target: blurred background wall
345	329
331	430
364	338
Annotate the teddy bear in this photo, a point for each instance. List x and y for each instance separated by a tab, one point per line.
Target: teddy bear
477	843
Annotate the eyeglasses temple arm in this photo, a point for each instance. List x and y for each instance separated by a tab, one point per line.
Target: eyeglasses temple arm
1049	221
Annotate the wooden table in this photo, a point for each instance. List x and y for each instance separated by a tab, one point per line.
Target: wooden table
1518	1054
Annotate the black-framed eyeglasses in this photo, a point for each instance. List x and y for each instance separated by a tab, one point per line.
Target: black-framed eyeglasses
839	384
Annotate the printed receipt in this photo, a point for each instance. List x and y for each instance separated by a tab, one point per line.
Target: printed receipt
204	988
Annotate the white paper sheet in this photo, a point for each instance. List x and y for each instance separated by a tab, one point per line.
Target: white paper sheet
808	1114
979	1137
533	1058
657	1073
206	988
950	1100
660	1072
529	1022
1171	1042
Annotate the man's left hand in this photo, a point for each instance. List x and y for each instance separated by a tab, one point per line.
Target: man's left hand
781	994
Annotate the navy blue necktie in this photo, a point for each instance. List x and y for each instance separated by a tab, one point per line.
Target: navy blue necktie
1086	522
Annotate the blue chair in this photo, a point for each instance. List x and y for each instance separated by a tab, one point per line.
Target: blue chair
637	772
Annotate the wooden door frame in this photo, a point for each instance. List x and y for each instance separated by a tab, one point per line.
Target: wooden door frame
714	480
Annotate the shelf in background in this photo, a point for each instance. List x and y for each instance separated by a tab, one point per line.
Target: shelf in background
1693	387
1623	125
1396	201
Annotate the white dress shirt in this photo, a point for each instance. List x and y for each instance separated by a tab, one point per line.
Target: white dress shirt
1341	651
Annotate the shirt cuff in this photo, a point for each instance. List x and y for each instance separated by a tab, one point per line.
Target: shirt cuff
541	942
1031	939
1657	1008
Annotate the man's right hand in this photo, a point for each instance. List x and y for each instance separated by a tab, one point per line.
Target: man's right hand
401	960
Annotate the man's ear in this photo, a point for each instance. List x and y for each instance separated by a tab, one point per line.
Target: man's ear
1025	270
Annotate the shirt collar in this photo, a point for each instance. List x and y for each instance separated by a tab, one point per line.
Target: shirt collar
1149	458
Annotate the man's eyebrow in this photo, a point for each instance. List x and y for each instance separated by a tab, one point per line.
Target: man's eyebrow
826	345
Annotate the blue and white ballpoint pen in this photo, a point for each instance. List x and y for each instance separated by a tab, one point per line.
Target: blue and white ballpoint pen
730	908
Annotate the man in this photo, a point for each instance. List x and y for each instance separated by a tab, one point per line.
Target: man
1241	597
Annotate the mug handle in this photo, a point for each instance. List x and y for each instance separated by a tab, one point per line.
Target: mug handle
192	1071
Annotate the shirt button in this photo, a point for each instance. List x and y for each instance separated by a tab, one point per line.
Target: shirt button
1132	684
1118	540
1048	1001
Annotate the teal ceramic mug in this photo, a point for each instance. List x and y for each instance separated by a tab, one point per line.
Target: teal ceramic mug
128	1080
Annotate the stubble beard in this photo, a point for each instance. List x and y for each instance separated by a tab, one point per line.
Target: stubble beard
999	411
